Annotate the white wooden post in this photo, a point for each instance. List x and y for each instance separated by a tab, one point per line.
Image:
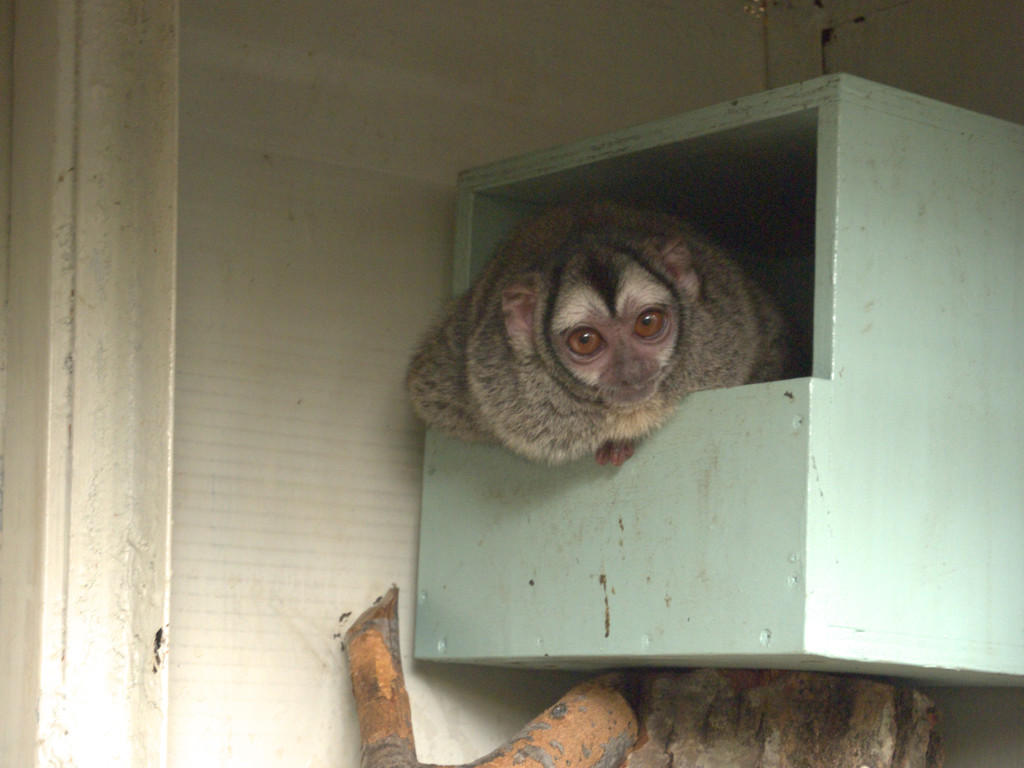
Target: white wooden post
89	412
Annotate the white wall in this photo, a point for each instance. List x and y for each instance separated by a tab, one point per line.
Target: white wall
6	94
319	148
964	53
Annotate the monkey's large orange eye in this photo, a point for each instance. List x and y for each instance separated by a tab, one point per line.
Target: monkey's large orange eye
649	323
584	341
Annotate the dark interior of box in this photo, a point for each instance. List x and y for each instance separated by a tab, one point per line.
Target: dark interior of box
750	189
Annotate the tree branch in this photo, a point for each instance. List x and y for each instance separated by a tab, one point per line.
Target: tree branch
591	726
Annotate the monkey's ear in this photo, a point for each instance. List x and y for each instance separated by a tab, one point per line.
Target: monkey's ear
518	302
677	258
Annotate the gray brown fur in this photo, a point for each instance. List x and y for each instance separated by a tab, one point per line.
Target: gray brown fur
470	380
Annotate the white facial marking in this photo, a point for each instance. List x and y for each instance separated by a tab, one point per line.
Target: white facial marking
638	289
577	306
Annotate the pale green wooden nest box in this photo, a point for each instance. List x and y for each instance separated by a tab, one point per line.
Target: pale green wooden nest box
868	517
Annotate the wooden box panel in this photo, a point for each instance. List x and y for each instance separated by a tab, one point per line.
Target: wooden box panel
867	517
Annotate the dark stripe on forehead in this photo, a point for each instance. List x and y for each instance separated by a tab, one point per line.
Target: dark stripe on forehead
603	277
555	286
604	272
597	260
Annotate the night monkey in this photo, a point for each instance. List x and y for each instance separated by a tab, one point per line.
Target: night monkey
585	330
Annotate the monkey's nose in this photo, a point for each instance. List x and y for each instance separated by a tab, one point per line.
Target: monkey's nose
633	373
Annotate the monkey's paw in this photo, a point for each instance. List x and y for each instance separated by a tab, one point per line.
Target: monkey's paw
614	452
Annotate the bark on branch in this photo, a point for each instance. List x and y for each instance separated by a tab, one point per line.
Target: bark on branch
680	719
591	726
382	702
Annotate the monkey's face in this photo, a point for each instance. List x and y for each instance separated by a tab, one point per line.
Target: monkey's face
617	333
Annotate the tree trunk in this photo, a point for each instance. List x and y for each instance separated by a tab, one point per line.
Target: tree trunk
715	718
